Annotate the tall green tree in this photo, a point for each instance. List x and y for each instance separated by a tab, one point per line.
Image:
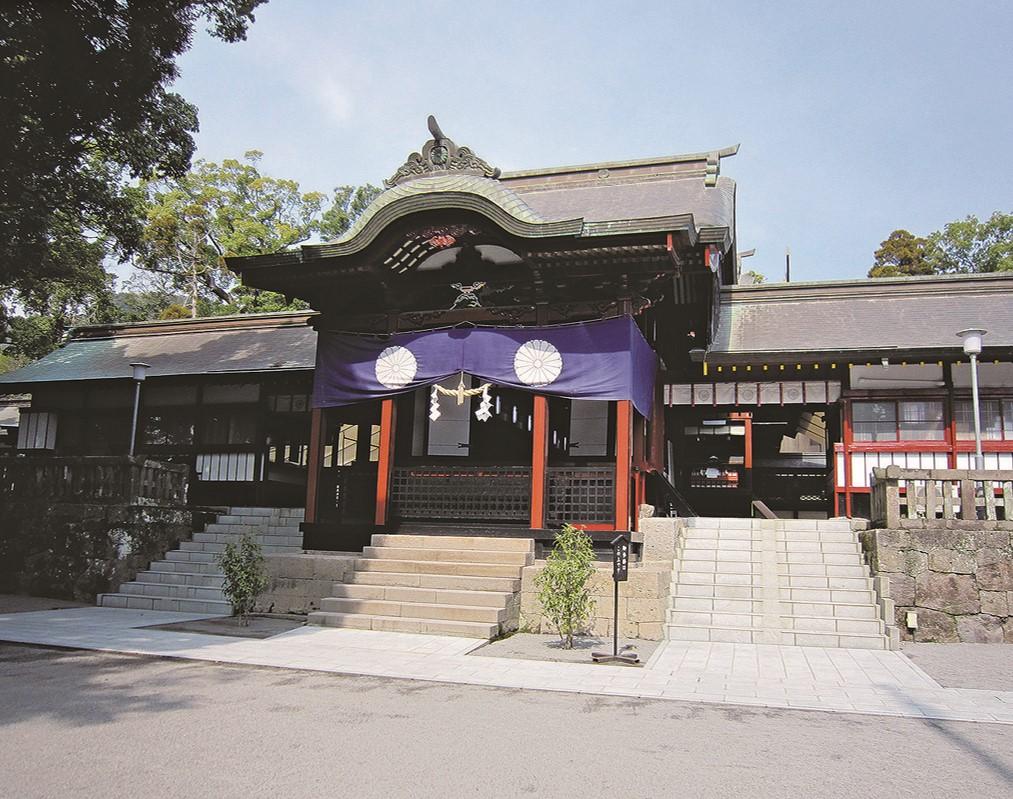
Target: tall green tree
972	245
968	245
901	254
219	210
86	110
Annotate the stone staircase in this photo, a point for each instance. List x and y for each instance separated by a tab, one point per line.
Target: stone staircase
795	582
444	585
189	580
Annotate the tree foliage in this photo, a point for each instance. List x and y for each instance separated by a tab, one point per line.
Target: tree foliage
563	583
971	245
219	210
85	111
242	563
965	246
901	254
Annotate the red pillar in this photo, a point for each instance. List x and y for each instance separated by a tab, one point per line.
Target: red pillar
539	459
316	446
624	457
846	430
385	462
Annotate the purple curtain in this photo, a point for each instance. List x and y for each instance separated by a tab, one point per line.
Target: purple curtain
603	360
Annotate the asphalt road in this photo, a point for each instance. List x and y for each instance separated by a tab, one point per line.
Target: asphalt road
84	724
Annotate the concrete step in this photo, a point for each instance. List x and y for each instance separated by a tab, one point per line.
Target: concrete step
682	602
821	570
286	512
450	555
413	610
729	567
181	578
237	530
454	582
395	593
215	548
749	635
141	602
721	523
294	540
185	567
756	546
850	596
363	621
821	624
186	556
780	536
435	567
169	590
483	543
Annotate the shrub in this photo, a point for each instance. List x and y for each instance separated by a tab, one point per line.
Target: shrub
563	583
245	576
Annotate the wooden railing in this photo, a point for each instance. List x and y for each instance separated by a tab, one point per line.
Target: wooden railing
100	480
937	497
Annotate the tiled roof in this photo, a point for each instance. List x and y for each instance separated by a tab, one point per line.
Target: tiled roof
875	316
223	345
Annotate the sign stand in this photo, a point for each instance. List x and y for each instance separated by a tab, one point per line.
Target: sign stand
620	573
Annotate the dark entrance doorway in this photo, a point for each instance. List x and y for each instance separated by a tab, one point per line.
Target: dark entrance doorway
348	468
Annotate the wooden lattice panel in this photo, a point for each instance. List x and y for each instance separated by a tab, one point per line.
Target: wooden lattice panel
580	495
488	493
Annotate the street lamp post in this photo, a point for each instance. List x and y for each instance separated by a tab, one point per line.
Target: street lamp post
139	374
972	348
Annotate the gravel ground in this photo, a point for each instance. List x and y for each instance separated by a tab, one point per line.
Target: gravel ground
984	666
87	724
529	646
17	603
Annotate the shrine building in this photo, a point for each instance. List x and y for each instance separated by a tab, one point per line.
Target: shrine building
506	352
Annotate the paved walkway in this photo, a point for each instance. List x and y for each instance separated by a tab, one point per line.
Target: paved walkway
835	680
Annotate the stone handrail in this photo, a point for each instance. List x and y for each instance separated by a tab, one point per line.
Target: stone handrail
112	480
919	498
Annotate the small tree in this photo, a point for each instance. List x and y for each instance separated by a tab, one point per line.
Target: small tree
245	578
563	583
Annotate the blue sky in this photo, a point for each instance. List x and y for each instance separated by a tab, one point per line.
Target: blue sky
854	118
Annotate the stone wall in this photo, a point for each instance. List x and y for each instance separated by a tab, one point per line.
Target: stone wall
297	583
643	599
958	581
76	550
643	602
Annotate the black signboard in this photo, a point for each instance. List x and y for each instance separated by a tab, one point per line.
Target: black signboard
620	558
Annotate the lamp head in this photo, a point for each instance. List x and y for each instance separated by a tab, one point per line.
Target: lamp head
140	371
972	340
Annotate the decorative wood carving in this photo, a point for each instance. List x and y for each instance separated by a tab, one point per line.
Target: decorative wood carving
440	154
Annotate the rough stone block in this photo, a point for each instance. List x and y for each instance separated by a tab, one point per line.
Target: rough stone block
996	576
980	629
995	603
950	593
652	631
933	626
661	537
902	589
988	555
629	629
914	563
289	566
646	610
950	560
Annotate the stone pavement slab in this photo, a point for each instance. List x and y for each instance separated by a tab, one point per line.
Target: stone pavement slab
850	681
983	666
